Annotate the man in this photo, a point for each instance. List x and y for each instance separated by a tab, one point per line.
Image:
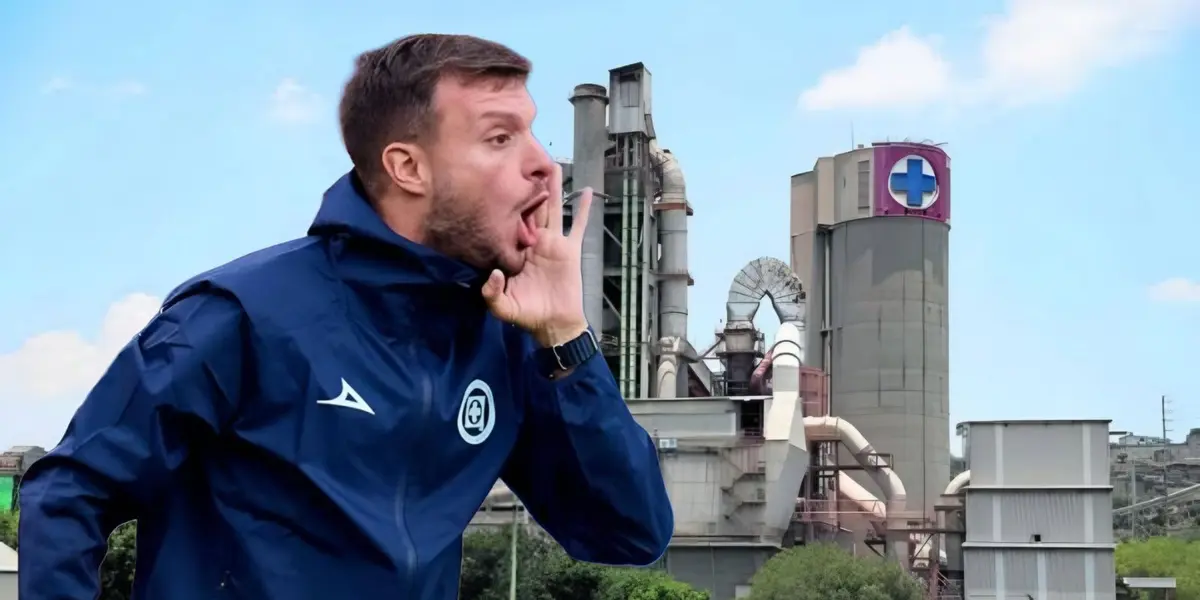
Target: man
321	419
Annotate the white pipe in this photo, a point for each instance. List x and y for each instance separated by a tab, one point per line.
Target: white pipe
667	377
958	483
672	233
860	496
837	429
780	417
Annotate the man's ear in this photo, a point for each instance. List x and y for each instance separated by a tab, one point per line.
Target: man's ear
408	167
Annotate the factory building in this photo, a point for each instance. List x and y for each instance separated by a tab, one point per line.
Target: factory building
837	430
1038	511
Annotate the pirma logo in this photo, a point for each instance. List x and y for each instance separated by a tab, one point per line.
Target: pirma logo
477	413
913	183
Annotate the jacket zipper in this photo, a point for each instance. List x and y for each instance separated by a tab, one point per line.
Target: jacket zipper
410	570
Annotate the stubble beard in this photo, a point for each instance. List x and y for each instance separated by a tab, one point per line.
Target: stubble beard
456	228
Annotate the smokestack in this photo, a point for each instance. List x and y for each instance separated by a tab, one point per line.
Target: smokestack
591	139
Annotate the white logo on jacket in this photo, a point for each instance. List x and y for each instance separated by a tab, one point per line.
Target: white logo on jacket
477	413
349	399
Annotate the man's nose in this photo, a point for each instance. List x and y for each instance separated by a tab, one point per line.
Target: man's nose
540	164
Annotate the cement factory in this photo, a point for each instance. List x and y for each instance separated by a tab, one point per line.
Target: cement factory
837	429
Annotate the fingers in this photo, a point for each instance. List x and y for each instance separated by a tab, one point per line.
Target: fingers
583	209
554	206
501	305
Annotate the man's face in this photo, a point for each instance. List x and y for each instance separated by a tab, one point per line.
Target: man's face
489	174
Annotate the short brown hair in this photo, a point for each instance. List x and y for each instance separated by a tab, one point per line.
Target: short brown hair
389	98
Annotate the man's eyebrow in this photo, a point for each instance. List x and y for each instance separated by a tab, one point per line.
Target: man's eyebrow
508	117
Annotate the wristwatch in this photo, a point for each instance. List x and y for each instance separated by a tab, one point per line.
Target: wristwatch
568	355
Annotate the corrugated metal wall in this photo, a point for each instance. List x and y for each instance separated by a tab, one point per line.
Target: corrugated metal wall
1068	516
1020	574
1044	453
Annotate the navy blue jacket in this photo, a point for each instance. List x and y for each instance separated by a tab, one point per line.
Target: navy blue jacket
321	419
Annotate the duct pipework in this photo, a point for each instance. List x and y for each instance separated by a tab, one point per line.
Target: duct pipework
762	277
863	498
758	379
668	377
959	482
672	233
836	429
591	140
771	277
785	447
950	521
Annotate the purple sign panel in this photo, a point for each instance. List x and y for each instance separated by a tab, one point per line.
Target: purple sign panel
911	179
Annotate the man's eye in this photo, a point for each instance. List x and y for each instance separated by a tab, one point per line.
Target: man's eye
501	139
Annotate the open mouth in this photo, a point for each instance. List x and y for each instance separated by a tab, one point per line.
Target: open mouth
528	232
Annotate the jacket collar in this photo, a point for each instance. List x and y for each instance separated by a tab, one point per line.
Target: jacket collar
387	256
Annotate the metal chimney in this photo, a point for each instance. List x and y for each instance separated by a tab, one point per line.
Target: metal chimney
591	139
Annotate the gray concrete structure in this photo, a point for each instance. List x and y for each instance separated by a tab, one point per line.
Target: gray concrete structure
1038	511
877	280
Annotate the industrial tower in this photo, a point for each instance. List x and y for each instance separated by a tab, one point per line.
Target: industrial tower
635	273
870	231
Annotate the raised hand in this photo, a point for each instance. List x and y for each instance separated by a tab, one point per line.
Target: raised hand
546	298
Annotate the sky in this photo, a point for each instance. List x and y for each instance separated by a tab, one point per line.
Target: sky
144	142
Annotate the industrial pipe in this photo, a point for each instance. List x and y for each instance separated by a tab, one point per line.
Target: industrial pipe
840	430
861	496
957	484
758	379
672	233
668	377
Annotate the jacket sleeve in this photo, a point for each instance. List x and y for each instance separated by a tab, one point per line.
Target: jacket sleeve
175	382
586	471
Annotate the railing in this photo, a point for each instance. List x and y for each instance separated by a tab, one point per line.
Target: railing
831	511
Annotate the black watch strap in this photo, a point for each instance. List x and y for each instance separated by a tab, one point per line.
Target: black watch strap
568	355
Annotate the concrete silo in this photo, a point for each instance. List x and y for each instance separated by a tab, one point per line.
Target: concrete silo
870	232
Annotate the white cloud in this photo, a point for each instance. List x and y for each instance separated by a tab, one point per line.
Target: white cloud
899	69
1036	51
294	103
45	379
1176	289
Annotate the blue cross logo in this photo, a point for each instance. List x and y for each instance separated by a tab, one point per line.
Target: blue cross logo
913	183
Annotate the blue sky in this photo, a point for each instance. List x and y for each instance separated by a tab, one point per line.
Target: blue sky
145	141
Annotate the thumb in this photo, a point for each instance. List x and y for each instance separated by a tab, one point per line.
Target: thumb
501	304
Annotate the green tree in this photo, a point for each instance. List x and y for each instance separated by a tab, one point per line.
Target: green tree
826	572
8	528
643	584
116	573
545	572
1163	557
